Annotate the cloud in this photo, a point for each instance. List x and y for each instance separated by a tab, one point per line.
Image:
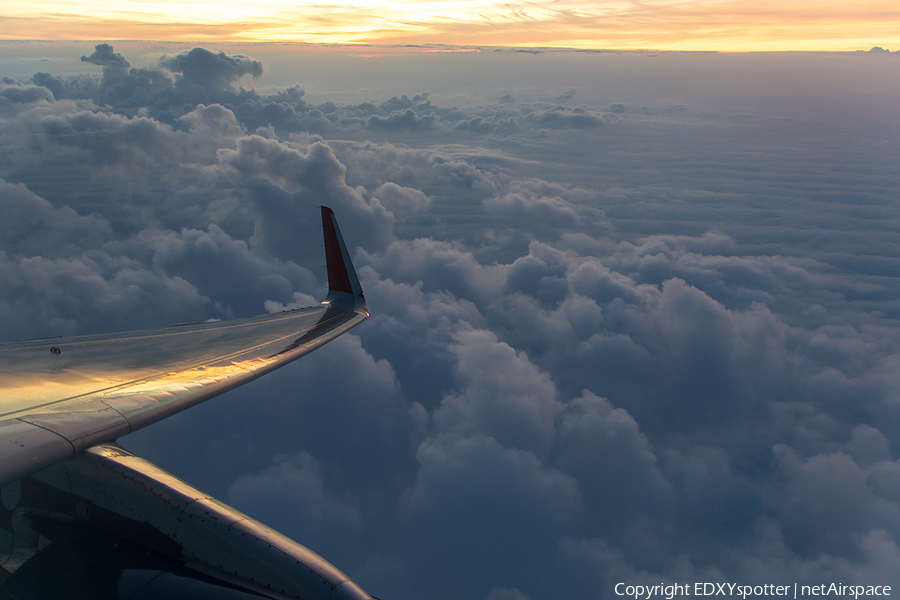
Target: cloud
111	139
93	292
829	489
406	120
518	206
606	344
32	227
599	443
206	76
439	266
488	126
503	395
104	56
215	119
299	478
284	183
474	488
25	94
561	118
397	198
201	257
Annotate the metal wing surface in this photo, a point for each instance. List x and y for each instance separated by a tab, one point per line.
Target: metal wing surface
61	396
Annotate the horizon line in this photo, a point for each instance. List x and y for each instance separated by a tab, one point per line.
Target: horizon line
459	48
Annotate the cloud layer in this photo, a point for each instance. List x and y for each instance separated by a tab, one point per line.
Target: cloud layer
630	341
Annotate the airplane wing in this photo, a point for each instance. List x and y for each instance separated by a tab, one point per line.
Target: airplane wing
65	401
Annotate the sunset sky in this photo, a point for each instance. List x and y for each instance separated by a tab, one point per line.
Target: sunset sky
721	25
634	315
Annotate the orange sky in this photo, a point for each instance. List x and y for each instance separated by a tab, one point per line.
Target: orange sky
724	25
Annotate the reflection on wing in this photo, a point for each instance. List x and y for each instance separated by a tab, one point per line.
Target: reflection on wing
63	399
100	388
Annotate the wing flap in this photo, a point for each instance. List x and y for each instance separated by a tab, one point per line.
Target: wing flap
82	428
26	448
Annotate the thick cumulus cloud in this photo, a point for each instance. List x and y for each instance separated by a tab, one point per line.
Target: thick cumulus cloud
33	227
607	344
505	397
204	72
283	182
105	56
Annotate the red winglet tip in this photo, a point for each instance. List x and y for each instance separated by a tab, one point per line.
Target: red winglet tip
338	279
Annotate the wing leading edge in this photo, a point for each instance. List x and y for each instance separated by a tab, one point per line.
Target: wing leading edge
61	396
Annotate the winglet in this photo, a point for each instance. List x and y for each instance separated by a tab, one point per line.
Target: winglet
344	289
